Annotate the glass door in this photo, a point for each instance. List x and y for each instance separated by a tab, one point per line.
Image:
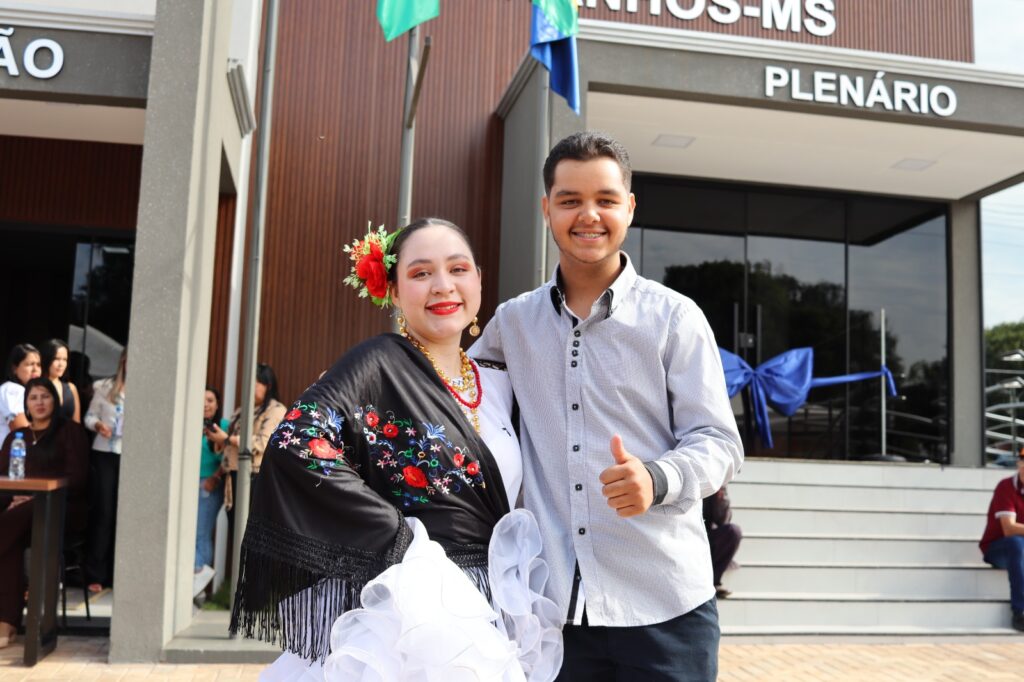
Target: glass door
775	270
101	299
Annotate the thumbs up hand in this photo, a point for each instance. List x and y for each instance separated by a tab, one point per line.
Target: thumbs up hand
627	483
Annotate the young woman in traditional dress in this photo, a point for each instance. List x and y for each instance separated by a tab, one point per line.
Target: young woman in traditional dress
380	543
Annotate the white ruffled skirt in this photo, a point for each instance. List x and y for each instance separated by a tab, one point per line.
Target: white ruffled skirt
423	620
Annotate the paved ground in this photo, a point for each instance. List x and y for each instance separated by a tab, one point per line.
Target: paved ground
84	659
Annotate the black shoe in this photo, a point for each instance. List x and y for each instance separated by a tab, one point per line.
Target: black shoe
1018	620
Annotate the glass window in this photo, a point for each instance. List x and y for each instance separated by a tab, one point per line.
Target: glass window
1002	251
904	274
775	270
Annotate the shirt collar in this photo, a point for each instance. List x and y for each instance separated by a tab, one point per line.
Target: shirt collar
615	294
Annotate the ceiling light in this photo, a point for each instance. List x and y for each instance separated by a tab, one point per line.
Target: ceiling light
913	164
675	141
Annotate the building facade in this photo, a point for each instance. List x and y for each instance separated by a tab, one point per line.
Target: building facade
800	167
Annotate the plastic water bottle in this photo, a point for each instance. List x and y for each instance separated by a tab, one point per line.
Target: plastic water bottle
17	468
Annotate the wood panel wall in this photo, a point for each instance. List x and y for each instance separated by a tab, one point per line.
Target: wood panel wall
336	134
335	160
216	359
69	183
938	29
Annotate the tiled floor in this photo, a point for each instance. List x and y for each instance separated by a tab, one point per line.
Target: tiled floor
84	659
913	661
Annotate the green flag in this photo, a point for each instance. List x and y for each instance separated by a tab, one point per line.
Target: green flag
562	14
398	16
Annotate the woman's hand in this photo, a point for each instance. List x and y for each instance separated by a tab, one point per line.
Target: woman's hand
211	483
104	430
233	440
216	434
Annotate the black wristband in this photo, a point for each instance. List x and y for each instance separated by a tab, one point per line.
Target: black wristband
660	481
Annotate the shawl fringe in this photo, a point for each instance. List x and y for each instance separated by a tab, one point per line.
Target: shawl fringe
291	588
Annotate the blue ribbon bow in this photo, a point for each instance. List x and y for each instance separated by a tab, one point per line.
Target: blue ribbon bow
783	382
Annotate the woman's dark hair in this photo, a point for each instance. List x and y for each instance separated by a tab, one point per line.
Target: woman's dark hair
218	413
44	447
42	382
416	225
48	353
265	375
16	357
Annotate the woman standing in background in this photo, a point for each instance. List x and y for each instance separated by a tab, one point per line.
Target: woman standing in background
22	365
211	488
55	367
268	413
106	417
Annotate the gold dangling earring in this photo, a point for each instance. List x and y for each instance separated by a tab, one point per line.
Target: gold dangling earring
400	320
474	328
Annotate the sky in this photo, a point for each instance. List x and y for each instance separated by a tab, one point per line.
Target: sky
999	45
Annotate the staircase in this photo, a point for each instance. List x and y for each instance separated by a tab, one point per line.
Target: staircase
863	549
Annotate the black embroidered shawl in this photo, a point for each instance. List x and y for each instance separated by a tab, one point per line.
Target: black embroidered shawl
376	438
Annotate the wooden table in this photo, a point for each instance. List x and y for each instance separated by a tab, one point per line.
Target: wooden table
48	501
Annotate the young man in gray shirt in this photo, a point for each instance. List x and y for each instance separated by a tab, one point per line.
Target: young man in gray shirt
626	428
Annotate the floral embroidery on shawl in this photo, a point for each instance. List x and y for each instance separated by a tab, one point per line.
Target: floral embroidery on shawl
420	462
320	442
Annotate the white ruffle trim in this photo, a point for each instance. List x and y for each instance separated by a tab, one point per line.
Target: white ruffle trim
423	620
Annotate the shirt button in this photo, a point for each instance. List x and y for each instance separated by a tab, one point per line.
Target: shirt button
575	406
583	531
575	353
579	486
575	448
576	333
575	344
573	363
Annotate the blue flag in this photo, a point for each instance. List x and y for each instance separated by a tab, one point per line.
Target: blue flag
557	52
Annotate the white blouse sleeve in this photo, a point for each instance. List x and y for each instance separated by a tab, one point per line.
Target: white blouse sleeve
12	401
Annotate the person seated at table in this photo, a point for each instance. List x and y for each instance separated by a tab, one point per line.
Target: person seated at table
56	447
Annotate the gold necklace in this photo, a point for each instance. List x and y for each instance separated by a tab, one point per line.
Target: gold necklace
470	377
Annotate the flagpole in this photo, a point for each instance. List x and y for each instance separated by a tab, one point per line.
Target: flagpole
251	337
416	66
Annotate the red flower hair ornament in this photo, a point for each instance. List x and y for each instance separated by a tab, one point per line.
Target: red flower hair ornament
371	261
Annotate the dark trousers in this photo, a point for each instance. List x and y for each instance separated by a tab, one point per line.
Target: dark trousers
15	535
724	541
104	475
684	649
1008	554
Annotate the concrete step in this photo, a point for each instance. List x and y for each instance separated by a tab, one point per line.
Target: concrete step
767	520
888	475
848	497
206	641
883	582
878	549
808	611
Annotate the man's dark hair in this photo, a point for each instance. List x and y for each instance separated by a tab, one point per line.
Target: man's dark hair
586	146
415	226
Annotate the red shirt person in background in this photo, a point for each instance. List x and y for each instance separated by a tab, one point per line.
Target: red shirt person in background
1003	542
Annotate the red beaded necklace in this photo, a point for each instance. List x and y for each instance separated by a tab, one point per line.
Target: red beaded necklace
468	366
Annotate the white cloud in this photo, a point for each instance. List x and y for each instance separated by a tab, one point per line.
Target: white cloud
999	34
